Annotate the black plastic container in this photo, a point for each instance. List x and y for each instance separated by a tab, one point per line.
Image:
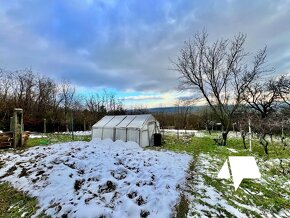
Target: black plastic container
157	139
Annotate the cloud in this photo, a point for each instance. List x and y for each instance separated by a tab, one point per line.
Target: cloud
127	45
142	97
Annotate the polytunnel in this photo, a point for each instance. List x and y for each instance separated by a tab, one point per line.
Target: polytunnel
136	128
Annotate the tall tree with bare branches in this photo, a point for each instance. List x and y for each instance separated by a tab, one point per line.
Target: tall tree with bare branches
262	97
284	88
219	72
67	93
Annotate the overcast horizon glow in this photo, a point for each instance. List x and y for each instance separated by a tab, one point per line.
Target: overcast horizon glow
126	46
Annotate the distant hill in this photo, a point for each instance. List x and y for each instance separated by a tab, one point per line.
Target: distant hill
174	109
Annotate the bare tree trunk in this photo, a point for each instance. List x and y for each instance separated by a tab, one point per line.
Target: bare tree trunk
224	138
66	125
243	134
264	142
271	136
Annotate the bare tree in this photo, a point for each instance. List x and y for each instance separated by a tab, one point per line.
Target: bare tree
182	111
207	120
263	98
219	72
6	88
56	100
41	97
67	93
284	88
93	103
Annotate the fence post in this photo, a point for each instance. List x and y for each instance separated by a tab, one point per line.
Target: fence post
72	126
44	125
11	124
17	126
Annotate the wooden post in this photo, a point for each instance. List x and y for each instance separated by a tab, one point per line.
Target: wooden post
44	125
235	130
11	124
282	136
250	135
17	127
72	127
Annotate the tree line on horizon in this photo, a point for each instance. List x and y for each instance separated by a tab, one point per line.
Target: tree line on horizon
41	98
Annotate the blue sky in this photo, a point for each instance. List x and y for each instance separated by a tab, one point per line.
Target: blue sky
126	46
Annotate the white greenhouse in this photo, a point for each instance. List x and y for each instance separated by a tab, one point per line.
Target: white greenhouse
136	128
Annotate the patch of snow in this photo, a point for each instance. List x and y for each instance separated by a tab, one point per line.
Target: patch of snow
77	133
101	177
232	150
248	207
234	134
24	214
36	136
196	133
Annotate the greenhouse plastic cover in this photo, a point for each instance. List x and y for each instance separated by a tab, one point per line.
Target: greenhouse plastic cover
126	121
130	121
103	121
115	121
139	121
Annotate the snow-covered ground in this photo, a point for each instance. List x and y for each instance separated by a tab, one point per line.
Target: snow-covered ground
37	135
98	178
206	199
196	133
78	133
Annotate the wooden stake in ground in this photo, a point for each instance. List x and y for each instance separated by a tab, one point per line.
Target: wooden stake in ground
250	135
44	125
17	126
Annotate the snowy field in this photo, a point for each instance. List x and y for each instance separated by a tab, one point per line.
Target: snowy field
197	133
100	178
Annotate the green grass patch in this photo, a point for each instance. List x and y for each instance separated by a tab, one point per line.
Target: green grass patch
1	164
53	139
182	207
14	203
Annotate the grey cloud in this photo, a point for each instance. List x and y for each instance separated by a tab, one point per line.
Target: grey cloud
133	53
